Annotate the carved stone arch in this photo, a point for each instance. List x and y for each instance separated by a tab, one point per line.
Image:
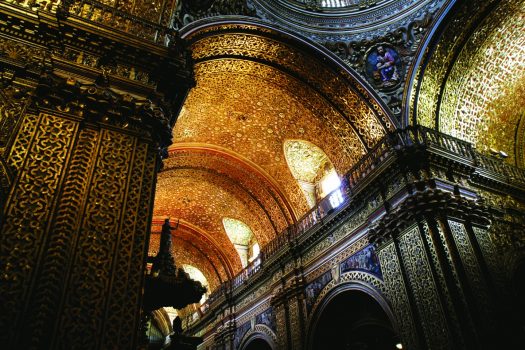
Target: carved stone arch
351	281
259	332
241	66
365	279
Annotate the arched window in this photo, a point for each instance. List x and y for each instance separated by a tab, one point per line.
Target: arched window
242	238
312	169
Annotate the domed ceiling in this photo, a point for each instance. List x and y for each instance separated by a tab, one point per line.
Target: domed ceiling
254	91
324	18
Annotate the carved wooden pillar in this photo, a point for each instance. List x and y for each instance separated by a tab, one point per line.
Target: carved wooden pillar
436	260
289	307
75	227
279	306
229	335
296	314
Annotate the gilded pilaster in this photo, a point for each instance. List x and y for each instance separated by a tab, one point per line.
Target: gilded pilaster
423	285
475	280
28	211
76	223
279	308
229	335
396	292
440	256
292	300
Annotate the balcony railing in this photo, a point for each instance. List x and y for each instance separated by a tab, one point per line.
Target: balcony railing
101	15
388	147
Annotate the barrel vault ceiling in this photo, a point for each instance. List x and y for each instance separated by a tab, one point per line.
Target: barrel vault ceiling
474	86
253	93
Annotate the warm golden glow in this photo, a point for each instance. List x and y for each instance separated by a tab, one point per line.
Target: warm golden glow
486	71
228	160
237	231
253	117
241	236
482	101
304	159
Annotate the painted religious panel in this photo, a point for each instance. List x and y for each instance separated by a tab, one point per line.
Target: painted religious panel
383	66
267	318
315	287
364	260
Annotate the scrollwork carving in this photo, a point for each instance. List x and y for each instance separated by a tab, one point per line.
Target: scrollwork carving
395	290
96	247
424	288
40	160
61	239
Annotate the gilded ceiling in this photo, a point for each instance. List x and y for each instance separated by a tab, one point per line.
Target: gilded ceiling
483	89
252	94
238	231
304	159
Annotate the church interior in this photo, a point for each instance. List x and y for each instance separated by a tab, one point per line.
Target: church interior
262	174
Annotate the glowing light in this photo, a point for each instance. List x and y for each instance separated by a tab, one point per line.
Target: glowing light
304	159
255	252
336	199
330	182
238	232
399	346
241	236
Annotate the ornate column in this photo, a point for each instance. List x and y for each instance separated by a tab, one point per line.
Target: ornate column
279	306
433	250
78	163
296	312
289	305
75	225
229	334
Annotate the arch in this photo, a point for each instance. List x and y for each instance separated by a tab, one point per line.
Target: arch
311	167
242	237
343	290
262	177
462	83
260	334
314	51
257	86
257	344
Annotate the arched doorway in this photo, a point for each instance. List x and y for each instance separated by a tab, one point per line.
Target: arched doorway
353	320
258	344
